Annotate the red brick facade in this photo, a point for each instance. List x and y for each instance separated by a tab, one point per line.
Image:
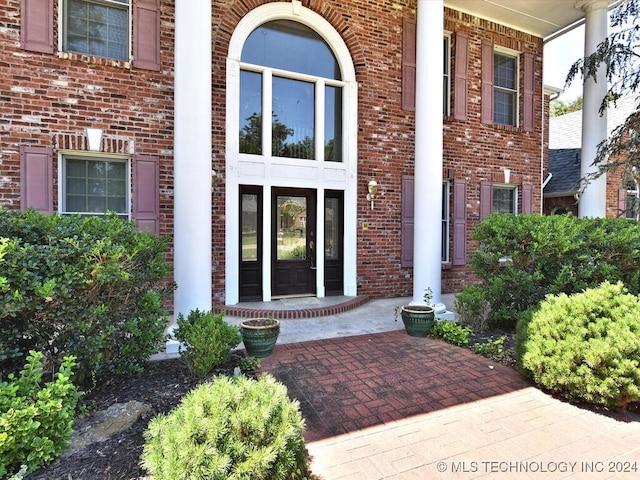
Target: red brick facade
49	99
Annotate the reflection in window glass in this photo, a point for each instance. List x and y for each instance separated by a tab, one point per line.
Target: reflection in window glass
331	228
293	119
97	28
292	228
92	186
249	227
333	124
504	200
632	210
250	112
505	89
291	46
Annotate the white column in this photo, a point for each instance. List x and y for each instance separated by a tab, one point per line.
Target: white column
594	126
192	156
428	154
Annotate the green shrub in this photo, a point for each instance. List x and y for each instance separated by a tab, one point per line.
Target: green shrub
451	332
35	422
473	308
522	258
90	287
493	349
208	341
585	347
229	429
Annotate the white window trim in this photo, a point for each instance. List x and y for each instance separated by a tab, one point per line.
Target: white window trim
319	175
447	75
98	156
446	221
62	28
516	55
516	194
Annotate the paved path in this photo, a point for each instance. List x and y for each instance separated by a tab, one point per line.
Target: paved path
390	406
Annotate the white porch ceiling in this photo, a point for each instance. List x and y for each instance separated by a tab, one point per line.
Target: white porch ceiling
537	17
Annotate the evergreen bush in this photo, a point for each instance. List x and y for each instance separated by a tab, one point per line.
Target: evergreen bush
586	346
208	341
522	258
230	429
92	287
35	421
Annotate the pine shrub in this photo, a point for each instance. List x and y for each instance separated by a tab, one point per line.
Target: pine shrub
229	429
586	346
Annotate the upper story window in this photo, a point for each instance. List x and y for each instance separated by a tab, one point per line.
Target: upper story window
287	69
93	185
505	96
97	27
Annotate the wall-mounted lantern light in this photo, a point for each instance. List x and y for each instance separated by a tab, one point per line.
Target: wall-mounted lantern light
372	188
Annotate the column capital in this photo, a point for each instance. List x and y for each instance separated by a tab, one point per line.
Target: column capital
588	6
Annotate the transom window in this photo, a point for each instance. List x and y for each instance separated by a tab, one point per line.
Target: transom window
97	27
505	96
504	199
289	70
93	186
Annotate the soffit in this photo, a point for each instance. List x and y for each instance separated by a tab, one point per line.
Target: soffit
541	18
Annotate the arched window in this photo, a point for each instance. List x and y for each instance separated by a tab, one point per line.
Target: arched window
288	70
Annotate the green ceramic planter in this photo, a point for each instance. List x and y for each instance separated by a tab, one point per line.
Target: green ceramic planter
259	335
418	320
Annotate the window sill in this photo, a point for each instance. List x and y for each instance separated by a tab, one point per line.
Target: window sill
107	62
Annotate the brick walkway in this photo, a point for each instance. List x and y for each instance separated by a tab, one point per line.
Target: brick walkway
391	406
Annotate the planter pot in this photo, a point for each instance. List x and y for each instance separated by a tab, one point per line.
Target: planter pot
259	335
418	320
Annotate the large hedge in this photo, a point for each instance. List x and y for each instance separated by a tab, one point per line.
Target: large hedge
522	258
585	346
92	287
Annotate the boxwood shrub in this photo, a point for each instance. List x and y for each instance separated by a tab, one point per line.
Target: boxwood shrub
522	258
229	429
586	346
92	287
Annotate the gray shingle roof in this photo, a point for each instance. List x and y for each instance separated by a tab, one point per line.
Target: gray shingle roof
564	163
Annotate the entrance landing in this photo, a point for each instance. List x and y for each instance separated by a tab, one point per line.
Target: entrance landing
295	307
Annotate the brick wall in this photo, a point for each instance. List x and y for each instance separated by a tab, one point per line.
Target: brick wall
45	98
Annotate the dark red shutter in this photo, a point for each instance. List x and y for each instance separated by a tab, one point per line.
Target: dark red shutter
146	194
527	198
459	222
460	80
146	34
486	199
528	92
622	203
407	216
36	25
486	109
408	64
36	179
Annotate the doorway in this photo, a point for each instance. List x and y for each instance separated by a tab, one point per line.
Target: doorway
293	242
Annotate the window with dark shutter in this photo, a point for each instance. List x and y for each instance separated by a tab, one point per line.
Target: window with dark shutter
407	219
36	25
146	34
408	64
36	179
459	222
146	195
460	81
527	198
486	199
528	92
486	109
